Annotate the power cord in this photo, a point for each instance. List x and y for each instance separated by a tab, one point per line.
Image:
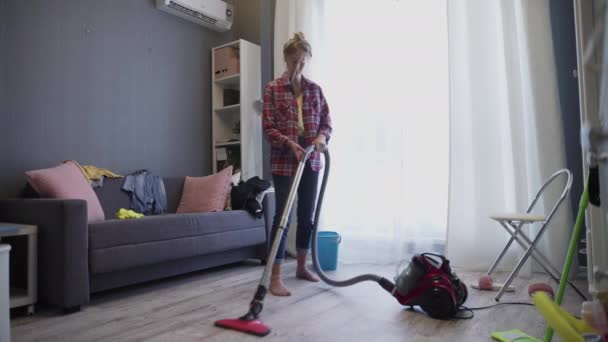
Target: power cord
463	308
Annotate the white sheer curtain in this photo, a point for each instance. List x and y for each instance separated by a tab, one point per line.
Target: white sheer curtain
399	136
386	82
505	126
293	16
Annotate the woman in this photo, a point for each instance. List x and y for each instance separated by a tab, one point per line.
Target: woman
295	115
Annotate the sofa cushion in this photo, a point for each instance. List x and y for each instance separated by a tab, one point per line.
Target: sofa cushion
66	181
150	253
112	233
123	244
209	193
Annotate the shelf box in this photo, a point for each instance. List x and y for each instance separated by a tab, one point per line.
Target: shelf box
226	61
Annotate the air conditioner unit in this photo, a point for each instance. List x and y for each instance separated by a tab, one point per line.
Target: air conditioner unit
214	14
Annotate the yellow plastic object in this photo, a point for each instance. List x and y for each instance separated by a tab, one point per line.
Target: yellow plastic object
568	327
127	214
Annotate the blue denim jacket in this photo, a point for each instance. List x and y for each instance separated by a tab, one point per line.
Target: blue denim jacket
147	192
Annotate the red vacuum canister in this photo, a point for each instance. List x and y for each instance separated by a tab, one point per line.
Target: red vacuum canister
429	282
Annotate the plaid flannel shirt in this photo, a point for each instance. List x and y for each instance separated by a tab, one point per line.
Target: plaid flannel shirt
280	121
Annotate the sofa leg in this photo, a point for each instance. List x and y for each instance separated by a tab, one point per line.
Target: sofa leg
70	309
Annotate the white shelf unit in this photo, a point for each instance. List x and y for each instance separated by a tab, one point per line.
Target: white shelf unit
243	150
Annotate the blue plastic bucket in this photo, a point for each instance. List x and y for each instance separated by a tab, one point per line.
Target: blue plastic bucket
327	247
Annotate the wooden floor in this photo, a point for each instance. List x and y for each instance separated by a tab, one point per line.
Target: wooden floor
184	309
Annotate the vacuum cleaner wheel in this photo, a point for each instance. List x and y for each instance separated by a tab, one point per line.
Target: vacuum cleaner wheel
438	303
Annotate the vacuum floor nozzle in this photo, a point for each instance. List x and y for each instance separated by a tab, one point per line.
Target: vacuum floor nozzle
254	327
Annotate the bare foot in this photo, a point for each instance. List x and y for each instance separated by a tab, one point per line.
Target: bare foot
277	288
304	273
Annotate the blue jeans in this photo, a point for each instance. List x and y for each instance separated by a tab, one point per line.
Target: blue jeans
307	197
147	192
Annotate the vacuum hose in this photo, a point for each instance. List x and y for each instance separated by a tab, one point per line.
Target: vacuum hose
385	283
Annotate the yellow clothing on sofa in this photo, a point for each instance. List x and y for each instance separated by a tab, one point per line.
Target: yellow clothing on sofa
123	214
94	173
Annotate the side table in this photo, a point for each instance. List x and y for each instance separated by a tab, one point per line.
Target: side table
20	296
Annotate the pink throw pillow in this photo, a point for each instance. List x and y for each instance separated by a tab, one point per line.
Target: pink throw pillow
66	181
204	194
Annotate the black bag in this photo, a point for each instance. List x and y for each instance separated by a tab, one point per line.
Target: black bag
244	195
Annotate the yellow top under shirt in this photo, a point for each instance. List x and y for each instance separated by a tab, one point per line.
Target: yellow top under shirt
300	117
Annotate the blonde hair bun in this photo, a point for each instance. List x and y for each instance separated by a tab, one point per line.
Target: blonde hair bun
299	36
297	43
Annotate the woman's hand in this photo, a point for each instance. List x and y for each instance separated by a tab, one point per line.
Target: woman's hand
297	150
320	143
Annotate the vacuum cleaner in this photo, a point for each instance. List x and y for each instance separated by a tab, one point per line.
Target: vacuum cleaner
426	281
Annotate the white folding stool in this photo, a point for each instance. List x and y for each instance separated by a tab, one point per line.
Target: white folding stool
513	223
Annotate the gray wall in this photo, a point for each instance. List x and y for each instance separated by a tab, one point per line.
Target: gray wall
246	20
267	47
564	46
3	147
266	25
117	84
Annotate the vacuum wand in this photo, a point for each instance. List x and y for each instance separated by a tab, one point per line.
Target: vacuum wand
285	217
257	302
249	323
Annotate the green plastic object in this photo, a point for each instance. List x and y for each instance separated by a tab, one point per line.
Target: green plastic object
580	218
514	335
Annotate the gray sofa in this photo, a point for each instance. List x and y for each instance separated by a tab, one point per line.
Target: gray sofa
77	259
